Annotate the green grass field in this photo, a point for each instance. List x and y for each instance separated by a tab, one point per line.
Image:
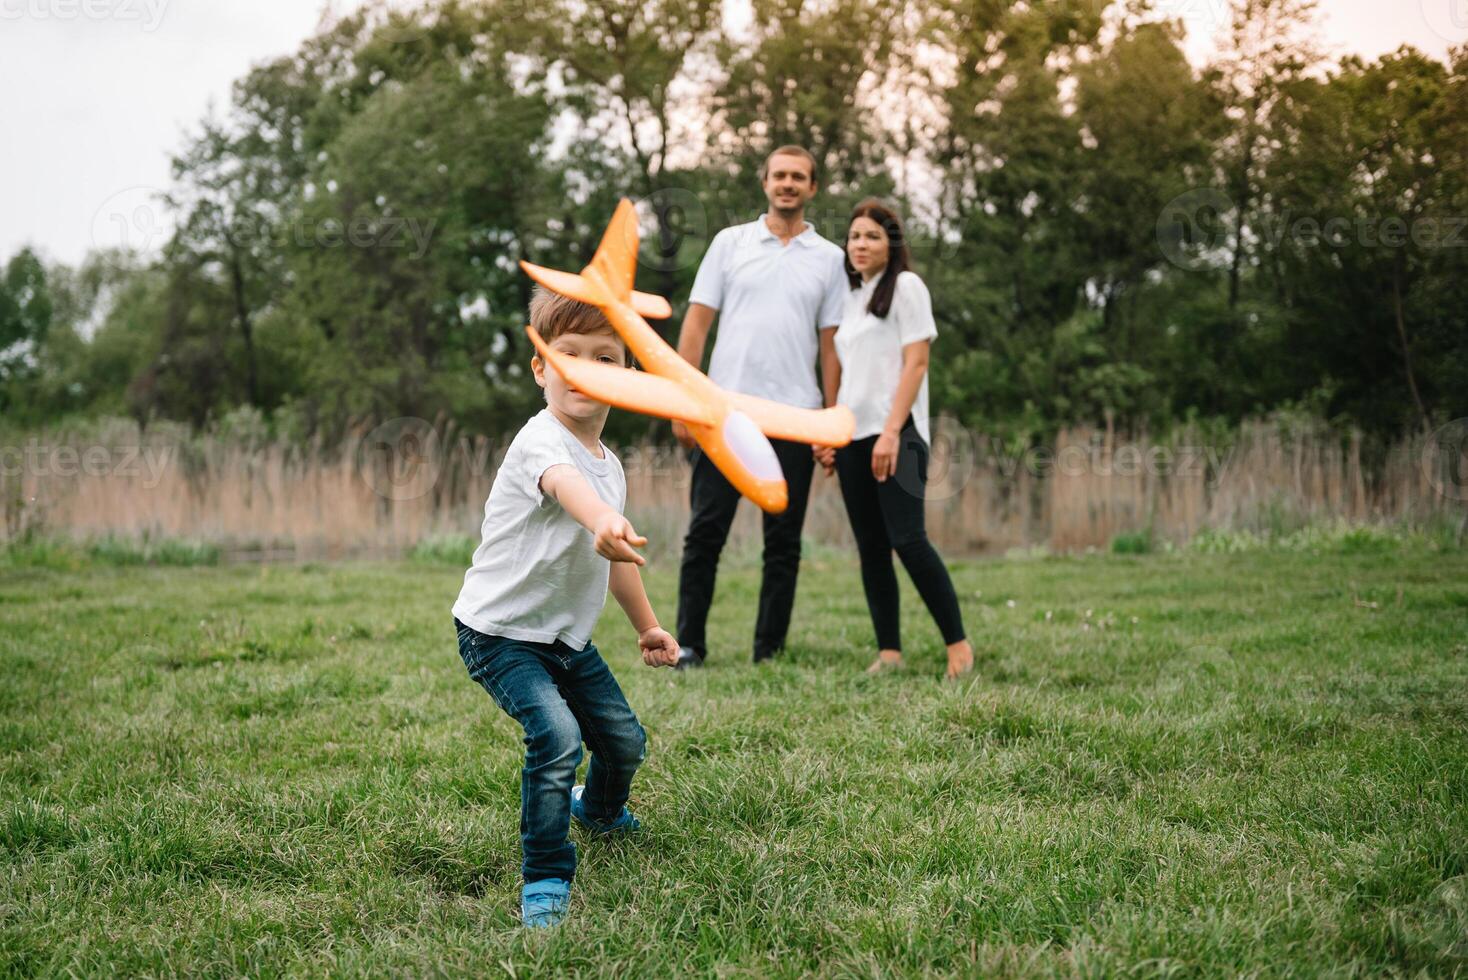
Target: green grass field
1165	764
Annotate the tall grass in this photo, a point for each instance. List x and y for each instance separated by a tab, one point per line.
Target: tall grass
373	495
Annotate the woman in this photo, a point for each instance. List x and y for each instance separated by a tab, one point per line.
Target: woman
882	346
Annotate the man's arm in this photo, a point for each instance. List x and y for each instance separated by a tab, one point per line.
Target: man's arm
695	333
830	385
691	341
830	366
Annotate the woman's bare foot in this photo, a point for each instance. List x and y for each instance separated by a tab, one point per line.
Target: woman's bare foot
886	660
960	659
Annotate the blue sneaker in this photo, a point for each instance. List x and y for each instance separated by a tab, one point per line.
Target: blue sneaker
625	820
543	903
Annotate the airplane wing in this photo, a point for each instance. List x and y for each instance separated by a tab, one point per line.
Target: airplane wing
615	265
578	287
651	305
637	391
826	427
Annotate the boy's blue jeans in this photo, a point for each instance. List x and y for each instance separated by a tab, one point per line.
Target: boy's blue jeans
561	697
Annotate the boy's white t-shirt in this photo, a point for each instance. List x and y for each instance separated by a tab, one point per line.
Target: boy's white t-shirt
870	351
536	575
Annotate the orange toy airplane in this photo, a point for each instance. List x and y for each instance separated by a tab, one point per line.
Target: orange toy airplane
732	429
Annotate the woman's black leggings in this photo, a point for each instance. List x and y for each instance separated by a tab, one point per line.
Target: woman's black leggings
887	516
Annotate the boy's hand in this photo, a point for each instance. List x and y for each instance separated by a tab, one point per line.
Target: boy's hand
615	539
659	649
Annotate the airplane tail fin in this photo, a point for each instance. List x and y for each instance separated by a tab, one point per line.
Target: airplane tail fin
608	278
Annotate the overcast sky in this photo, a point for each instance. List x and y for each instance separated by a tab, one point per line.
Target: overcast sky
98	93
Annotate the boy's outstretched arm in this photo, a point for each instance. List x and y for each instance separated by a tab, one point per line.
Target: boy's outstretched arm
659	649
615	540
614	535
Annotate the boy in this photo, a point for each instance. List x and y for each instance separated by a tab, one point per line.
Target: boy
554	539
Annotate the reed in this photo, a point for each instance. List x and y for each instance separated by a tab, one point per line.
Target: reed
382	491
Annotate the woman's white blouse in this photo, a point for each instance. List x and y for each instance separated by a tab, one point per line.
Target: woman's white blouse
870	351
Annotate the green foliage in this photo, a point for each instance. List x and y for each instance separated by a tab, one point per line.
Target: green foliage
25	302
445	549
1328	537
1132	543
39	552
348	226
794	82
124	552
25	320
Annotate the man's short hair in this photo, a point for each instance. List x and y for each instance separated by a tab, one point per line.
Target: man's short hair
789	150
552	315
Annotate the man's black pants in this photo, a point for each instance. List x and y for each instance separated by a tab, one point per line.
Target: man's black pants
714	501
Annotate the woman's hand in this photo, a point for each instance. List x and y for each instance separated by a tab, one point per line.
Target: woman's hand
884	456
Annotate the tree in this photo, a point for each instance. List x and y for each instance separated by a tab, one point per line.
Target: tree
410	218
1009	157
1366	208
622	64
805	75
86	359
349	223
25	318
1268	50
1148	134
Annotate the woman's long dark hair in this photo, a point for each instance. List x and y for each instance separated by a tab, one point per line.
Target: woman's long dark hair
898	259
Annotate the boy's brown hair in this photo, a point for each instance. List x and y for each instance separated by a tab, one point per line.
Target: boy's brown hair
552	315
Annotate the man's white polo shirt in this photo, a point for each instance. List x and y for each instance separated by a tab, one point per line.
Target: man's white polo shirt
772	299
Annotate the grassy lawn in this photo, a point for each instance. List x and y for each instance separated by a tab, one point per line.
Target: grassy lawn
1252	763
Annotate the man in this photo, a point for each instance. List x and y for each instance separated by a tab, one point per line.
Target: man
778	288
